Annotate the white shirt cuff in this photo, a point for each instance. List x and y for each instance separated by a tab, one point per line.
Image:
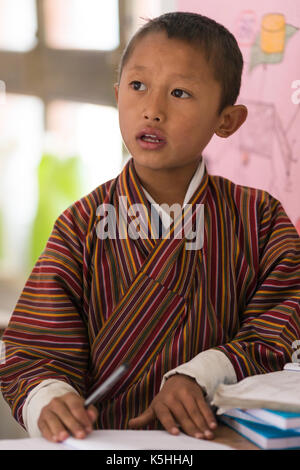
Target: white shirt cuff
39	397
209	368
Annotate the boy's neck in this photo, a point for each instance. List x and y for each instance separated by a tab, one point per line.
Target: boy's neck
167	186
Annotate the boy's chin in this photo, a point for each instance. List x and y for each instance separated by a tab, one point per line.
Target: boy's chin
152	163
156	162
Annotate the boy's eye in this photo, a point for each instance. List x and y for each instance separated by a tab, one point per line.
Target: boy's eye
180	93
138	86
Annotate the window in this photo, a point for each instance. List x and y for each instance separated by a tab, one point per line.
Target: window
54	69
58	64
21	117
91	132
82	24
144	9
18	25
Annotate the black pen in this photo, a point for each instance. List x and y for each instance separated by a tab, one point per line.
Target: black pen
107	385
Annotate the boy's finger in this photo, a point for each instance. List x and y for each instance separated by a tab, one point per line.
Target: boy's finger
164	415
59	411
207	413
143	419
185	421
92	412
77	410
45	430
52	428
195	414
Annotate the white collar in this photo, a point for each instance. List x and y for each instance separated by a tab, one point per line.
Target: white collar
194	183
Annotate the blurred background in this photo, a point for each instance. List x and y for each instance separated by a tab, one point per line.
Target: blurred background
59	133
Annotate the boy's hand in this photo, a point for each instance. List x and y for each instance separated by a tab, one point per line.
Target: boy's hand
65	416
180	403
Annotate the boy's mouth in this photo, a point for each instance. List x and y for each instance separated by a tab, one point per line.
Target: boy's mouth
151	138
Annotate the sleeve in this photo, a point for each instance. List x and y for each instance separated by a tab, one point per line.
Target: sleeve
47	337
209	368
270	320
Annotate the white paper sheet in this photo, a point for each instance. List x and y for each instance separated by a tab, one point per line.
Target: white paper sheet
141	440
37	443
117	440
276	390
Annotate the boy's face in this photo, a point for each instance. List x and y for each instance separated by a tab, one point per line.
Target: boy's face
167	91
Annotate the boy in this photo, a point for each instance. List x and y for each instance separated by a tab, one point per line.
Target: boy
185	319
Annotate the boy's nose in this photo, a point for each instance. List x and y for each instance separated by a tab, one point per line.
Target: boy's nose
154	114
154	109
154	118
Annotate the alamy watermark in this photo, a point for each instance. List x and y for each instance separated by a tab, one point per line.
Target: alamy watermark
296	353
2	352
296	94
134	221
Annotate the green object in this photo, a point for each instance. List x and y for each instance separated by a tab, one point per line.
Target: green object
59	185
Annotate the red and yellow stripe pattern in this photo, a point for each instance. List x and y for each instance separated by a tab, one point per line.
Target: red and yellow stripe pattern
89	304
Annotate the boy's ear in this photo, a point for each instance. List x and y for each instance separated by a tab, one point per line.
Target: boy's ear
116	87
232	117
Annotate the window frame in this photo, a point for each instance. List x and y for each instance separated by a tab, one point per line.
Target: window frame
65	74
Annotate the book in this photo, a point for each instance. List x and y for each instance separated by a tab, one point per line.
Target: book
242	414
279	419
264	436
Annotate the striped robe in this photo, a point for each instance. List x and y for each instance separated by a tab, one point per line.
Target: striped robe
91	303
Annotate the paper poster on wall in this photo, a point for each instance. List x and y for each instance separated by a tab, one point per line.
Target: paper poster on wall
265	152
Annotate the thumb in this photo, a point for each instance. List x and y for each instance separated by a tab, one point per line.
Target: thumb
142	420
92	412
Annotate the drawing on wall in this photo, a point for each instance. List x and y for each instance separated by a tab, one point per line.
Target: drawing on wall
264	121
267	145
265	152
265	126
270	43
263	131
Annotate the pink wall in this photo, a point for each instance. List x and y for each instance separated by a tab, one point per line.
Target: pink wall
265	151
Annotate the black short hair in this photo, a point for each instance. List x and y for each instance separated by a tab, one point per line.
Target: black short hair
218	44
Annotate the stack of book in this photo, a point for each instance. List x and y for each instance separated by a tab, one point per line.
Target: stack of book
268	429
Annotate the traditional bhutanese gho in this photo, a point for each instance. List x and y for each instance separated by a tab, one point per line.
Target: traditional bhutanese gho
93	302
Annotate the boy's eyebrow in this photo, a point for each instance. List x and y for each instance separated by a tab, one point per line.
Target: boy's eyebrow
191	78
